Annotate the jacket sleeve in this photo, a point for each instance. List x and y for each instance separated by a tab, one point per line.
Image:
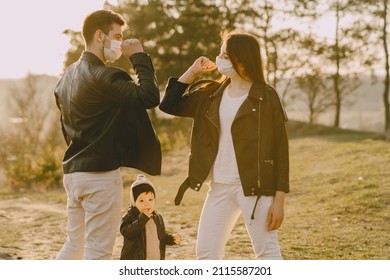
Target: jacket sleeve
281	144
122	89
169	239
66	136
175	102
130	228
147	88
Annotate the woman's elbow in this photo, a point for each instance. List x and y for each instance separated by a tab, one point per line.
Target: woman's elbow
166	108
163	107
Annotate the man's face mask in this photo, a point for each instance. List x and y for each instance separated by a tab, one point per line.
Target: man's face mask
114	51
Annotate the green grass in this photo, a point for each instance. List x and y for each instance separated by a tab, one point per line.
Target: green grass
340	197
338	207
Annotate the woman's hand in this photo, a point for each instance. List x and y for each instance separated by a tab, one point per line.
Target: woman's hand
276	212
200	66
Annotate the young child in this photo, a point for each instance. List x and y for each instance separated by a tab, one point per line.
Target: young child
142	228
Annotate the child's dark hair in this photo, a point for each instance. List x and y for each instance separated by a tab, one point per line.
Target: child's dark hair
137	190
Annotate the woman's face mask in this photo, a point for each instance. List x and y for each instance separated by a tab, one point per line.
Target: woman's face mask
114	51
225	67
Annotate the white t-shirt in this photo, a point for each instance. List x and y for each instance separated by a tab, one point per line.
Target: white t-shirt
225	168
152	241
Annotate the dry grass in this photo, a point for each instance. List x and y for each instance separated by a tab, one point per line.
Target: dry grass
338	207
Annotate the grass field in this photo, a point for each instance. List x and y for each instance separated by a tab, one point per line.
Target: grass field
338	207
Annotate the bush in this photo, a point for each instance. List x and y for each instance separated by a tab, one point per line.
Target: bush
173	133
172	141
25	171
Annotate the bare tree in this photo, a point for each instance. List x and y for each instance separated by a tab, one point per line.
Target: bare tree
316	94
386	82
374	28
28	148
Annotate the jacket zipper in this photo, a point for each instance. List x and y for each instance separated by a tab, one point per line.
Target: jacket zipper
258	146
258	165
212	122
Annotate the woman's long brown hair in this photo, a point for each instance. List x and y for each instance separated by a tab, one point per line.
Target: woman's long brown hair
244	48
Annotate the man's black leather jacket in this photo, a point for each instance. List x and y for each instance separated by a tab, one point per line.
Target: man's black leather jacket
104	118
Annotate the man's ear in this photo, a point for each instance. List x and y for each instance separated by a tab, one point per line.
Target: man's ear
98	36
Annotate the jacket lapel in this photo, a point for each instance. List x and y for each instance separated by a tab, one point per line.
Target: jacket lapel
251	104
212	114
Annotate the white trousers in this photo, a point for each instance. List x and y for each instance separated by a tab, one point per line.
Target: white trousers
94	207
223	206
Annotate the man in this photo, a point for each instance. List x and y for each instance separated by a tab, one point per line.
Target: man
106	126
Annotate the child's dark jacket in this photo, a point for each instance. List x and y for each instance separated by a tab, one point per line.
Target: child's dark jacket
133	230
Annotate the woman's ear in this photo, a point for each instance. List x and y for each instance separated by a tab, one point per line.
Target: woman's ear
241	71
240	67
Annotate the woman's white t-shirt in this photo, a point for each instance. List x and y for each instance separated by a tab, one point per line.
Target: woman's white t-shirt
225	168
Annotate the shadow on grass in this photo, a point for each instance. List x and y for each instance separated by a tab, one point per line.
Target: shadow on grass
298	129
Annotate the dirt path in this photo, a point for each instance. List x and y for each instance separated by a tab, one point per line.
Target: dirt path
32	230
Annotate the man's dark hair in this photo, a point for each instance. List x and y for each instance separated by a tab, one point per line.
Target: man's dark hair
103	20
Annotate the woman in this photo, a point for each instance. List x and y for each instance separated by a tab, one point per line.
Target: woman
239	142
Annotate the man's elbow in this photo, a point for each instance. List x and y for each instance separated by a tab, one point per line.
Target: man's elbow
154	99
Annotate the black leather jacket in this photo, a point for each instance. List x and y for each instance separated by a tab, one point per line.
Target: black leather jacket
258	131
104	118
133	230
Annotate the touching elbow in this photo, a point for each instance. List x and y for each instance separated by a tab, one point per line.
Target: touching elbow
165	108
153	101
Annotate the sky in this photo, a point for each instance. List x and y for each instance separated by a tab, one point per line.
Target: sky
31	34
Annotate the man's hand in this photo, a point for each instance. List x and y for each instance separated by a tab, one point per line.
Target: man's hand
131	46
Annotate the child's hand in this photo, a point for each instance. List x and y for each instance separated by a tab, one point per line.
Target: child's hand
177	238
148	212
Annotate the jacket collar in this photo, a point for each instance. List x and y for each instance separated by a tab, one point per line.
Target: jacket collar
257	90
219	91
91	58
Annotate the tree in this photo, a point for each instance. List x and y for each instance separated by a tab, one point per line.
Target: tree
315	94
77	46
286	53
28	148
379	11
386	81
370	27
342	52
337	56
173	32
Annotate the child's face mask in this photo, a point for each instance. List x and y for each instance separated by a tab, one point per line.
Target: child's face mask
146	202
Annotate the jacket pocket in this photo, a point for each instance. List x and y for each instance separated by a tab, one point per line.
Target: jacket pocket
267	172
